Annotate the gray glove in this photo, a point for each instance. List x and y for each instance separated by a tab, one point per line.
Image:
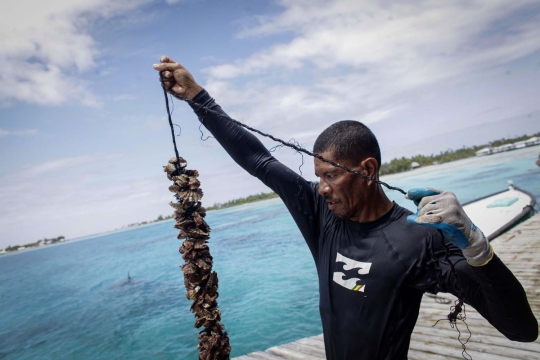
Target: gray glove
442	210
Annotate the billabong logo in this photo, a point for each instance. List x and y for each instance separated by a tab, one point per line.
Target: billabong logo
363	268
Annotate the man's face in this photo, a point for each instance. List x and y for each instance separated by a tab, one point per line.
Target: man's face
343	191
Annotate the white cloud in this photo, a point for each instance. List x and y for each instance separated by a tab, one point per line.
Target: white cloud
63	164
422	37
157	123
27	132
362	59
45	44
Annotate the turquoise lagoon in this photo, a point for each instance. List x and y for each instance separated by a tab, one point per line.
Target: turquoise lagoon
74	301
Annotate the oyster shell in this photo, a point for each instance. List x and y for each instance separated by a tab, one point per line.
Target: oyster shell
204	264
200	281
189	268
176	205
192	294
194	183
174	188
181	161
192	173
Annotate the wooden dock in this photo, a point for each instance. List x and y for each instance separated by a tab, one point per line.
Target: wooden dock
520	251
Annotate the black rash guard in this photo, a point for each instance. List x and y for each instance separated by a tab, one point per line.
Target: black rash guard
372	275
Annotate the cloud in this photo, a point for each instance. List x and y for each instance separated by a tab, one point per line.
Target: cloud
125	97
27	132
79	195
364	59
157	123
63	164
45	45
421	39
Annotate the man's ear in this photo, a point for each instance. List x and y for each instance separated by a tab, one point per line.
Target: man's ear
371	167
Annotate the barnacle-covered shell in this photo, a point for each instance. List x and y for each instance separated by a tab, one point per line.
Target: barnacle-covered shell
195	234
191	195
182	162
189	246
194	183
211	298
177	206
212	280
179	212
201	244
192	294
169	168
200	281
192	173
198	234
189	269
174	188
188	205
184	223
181	180
201	211
204	264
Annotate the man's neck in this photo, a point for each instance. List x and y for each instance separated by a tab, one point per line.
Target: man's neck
376	206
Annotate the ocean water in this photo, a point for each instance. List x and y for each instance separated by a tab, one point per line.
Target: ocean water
73	301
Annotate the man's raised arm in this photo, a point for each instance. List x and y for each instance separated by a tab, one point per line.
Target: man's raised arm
241	145
246	150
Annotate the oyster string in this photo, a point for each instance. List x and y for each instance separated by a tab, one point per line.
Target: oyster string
200	281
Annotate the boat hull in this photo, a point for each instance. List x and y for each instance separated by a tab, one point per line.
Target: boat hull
496	213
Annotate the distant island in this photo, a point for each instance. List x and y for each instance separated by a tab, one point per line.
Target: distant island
216	206
406	164
393	167
243	200
36	244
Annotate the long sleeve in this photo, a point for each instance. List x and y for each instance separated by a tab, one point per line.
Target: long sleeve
491	289
246	150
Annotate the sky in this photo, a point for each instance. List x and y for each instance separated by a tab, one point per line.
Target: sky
83	129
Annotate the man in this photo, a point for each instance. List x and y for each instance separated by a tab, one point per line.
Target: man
373	260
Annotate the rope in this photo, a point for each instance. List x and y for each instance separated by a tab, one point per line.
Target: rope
459	306
170	121
293	146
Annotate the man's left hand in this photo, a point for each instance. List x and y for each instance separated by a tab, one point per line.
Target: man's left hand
176	79
442	210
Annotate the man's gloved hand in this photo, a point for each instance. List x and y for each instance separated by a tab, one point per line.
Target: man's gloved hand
441	210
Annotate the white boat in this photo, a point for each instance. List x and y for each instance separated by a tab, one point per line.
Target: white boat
498	212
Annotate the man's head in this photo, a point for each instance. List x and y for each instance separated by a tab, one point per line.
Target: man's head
348	140
352	144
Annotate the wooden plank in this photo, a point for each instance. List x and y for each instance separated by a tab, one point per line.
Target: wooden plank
306	349
265	356
454	351
485	337
519	249
422	355
315	343
452	343
288	353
